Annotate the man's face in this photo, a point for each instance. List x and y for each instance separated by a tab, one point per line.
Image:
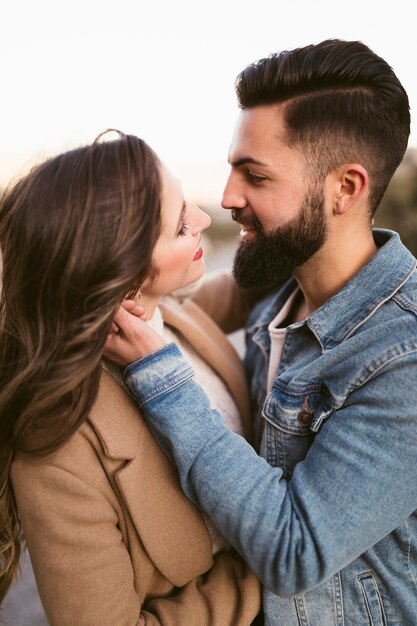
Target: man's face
268	259
271	195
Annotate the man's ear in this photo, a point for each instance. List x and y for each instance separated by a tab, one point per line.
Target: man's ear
351	182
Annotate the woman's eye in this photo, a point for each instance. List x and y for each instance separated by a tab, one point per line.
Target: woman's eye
184	227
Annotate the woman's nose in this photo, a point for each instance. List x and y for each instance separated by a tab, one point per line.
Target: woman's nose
201	220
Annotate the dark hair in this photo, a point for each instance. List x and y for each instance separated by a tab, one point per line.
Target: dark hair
342	104
76	235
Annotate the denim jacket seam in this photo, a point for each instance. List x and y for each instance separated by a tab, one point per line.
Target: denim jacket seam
409	552
298	390
391	296
148	357
350	329
373	372
166	386
405	303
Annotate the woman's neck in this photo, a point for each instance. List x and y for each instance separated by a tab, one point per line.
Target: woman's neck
150	303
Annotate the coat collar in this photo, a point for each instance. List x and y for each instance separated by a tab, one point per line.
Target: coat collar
212	345
169	525
111	417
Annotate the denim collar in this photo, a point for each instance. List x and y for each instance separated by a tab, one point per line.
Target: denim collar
359	298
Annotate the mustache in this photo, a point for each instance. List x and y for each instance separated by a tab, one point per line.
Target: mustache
248	220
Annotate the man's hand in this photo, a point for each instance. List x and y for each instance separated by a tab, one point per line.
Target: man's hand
130	337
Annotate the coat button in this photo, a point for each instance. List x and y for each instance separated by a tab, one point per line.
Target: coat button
304	418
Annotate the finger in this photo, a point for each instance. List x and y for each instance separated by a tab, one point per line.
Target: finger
122	318
135	308
110	343
129	305
125	321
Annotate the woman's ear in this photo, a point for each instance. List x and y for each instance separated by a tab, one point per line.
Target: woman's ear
351	183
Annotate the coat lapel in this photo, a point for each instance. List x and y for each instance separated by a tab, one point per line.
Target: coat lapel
211	343
170	527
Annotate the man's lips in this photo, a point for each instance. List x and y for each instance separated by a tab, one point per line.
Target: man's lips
246	232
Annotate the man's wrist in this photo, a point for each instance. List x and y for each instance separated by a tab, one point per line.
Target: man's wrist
157	373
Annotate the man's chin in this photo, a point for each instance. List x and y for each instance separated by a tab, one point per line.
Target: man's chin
251	278
248	282
252	269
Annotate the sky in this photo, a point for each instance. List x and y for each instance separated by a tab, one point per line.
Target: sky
165	71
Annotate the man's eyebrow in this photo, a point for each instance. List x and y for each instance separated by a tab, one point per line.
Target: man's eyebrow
245	161
181	217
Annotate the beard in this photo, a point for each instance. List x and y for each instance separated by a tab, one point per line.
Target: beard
271	258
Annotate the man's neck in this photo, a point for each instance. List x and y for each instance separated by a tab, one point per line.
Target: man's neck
330	269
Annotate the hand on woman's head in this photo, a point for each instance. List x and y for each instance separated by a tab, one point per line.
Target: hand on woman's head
130	337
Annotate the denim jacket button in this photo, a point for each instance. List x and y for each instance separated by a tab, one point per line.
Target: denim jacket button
304	418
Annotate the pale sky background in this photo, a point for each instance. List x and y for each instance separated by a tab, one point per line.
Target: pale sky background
164	71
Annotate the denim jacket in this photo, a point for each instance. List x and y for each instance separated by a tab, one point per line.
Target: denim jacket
326	515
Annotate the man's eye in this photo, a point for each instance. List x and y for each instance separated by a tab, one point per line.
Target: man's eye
184	227
254	178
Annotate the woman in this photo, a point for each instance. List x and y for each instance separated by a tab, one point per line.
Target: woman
113	540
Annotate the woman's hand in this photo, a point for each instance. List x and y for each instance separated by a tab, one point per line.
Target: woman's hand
130	337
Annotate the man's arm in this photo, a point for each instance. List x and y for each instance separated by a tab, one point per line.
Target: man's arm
357	483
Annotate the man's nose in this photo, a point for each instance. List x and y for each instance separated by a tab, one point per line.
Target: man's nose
233	197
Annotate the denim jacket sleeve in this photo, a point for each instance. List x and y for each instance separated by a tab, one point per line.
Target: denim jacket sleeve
342	498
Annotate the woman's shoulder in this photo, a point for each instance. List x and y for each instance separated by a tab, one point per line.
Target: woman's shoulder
115	419
112	430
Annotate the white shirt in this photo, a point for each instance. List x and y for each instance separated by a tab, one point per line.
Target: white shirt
277	336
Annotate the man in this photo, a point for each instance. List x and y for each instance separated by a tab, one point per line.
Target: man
327	518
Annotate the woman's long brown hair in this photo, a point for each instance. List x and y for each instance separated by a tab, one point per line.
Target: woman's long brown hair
76	236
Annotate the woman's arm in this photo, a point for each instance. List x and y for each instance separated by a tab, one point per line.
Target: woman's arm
84	570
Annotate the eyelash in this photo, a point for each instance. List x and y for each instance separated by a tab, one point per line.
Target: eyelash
184	228
254	179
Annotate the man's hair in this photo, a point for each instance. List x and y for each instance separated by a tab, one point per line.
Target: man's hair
342	104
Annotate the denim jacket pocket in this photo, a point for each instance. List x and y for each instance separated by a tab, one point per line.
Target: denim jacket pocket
298	410
372	598
292	418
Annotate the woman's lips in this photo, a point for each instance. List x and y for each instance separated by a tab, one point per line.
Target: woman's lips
198	254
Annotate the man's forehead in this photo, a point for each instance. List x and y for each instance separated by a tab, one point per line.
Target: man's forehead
256	136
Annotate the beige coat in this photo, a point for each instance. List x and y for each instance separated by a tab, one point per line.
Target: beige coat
113	540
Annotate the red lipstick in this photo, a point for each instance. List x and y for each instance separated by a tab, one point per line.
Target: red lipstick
198	254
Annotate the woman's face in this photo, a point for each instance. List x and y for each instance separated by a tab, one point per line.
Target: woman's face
177	256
